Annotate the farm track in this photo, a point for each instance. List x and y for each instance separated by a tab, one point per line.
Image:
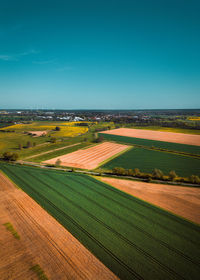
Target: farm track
72	190
62	258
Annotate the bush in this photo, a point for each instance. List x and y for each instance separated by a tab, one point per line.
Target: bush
53	140
157	174
10	156
194	179
172	175
58	162
119	171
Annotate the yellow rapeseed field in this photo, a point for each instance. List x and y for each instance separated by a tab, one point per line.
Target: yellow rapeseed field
194	118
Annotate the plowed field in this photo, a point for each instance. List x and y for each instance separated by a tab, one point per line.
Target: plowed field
90	158
42	241
181	138
182	201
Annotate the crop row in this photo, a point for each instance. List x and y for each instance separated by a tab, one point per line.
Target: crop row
147	160
134	239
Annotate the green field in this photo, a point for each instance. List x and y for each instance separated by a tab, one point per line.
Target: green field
147	160
152	143
133	238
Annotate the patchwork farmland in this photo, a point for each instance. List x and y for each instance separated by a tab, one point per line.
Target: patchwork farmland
180	138
192	149
131	237
90	158
147	160
182	201
42	244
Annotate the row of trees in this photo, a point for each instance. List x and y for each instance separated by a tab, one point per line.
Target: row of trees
156	174
29	144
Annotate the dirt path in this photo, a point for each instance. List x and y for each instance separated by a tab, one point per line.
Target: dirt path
183	201
42	241
173	137
44	153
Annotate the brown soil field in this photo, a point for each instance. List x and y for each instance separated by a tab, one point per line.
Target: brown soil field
43	241
89	158
38	133
182	201
173	137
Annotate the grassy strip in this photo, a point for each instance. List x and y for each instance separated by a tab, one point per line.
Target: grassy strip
10	228
40	273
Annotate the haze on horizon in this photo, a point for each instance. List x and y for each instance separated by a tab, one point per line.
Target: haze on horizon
114	54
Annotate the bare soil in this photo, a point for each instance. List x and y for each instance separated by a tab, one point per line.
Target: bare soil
182	201
38	133
91	157
42	241
173	137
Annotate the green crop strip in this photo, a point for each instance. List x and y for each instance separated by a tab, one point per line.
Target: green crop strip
146	160
40	273
134	239
10	228
190	149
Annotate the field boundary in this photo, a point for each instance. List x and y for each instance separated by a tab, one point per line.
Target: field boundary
51	151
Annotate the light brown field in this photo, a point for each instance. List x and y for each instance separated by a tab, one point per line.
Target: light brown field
182	201
91	157
173	137
37	133
42	241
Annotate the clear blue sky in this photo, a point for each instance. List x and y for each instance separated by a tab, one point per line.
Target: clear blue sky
100	54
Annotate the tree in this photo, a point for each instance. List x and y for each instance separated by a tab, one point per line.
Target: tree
137	172
119	170
194	179
10	156
172	175
58	162
29	144
53	139
157	173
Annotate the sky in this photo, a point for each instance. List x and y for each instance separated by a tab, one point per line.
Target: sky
99	54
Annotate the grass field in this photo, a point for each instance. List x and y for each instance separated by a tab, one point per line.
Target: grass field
12	136
133	238
147	160
152	143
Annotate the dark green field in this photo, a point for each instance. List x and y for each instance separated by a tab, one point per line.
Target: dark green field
152	143
147	160
133	238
